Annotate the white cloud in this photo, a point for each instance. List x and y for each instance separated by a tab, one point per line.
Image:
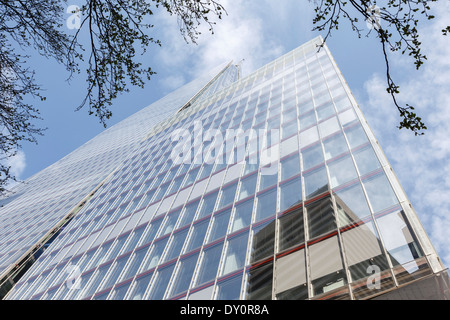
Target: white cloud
421	163
17	164
247	32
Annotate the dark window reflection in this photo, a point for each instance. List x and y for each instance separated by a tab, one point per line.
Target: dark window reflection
296	293
263	241
259	286
321	217
291	229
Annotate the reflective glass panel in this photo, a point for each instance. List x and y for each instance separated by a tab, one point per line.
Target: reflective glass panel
230	289
259	282
209	264
263	241
290	193
266	204
380	193
207	206
248	186
185	272
312	156
397	238
219	225
198	235
292	230
351	204
321	217
290	167
227	195
235	253
366	160
335	146
316	182
242	215
188	213
341	170
161	282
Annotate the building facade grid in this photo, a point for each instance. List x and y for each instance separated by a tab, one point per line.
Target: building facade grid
313	219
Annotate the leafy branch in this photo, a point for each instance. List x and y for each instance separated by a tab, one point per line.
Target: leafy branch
396	26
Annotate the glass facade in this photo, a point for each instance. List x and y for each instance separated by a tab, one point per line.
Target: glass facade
270	186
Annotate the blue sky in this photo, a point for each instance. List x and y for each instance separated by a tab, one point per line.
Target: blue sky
259	31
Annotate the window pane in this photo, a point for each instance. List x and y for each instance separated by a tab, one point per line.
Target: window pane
329	126
120	292
366	160
209	264
263	241
206	170
290	194
251	164
329	282
133	239
291	229
321	217
342	103
259	286
307	120
135	262
290	167
94	282
230	289
290	114
236	252
242	215
316	182
151	231
198	235
155	255
267	180
266	204
335	146
219	225
176	244
176	184
290	271
191	175
184	277
380	193
114	273
362	249
207	206
341	170
139	287
351	204
289	129
248	186
161	192
356	136
325	111
188	213
312	156
162	280
169	223
398	239
227	196
296	293
326	266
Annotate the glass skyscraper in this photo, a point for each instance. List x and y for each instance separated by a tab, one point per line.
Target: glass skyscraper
269	186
